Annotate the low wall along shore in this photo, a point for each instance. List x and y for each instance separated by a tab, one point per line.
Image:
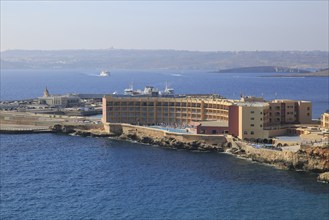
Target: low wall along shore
158	134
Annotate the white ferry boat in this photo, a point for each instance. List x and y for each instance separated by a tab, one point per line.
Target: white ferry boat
104	73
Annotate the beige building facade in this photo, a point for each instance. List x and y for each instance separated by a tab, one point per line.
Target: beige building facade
325	120
248	118
146	110
290	112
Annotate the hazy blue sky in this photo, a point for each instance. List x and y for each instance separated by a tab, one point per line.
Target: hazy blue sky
195	25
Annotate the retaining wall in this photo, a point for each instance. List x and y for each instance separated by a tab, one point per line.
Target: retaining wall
117	128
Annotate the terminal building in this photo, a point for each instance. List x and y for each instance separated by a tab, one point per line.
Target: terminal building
248	118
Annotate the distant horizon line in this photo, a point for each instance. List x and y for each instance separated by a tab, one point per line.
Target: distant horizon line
179	50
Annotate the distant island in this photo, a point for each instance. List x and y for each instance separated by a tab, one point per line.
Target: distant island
172	60
264	69
320	73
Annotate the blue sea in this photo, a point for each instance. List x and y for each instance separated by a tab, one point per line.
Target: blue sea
49	176
23	84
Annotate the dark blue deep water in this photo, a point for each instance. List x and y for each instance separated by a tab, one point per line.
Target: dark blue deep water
48	176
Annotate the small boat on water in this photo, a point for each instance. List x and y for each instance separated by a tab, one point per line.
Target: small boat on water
104	73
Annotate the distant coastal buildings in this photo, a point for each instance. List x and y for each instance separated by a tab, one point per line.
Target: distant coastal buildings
249	118
59	100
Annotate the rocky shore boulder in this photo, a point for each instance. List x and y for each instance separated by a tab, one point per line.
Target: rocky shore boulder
324	177
314	159
66	129
170	142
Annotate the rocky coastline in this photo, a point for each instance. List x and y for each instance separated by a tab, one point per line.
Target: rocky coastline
169	142
310	159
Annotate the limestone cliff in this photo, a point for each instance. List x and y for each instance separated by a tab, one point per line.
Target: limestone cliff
315	159
173	143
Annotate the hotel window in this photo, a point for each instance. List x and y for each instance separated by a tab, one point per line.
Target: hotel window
245	132
251	132
252	112
252	125
261	125
261	113
252	119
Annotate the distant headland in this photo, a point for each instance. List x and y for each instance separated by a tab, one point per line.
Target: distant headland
320	73
278	71
111	59
264	69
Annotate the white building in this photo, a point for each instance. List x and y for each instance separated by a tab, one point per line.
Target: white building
59	100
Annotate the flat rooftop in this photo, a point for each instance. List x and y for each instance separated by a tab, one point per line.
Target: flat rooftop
219	123
252	104
176	96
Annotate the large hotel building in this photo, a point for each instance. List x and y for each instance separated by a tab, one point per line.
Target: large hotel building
248	118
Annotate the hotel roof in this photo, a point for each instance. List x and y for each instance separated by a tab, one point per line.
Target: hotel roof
252	104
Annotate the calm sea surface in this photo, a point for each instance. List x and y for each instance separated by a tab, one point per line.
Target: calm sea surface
19	84
48	176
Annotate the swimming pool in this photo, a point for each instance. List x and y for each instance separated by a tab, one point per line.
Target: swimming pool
176	130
